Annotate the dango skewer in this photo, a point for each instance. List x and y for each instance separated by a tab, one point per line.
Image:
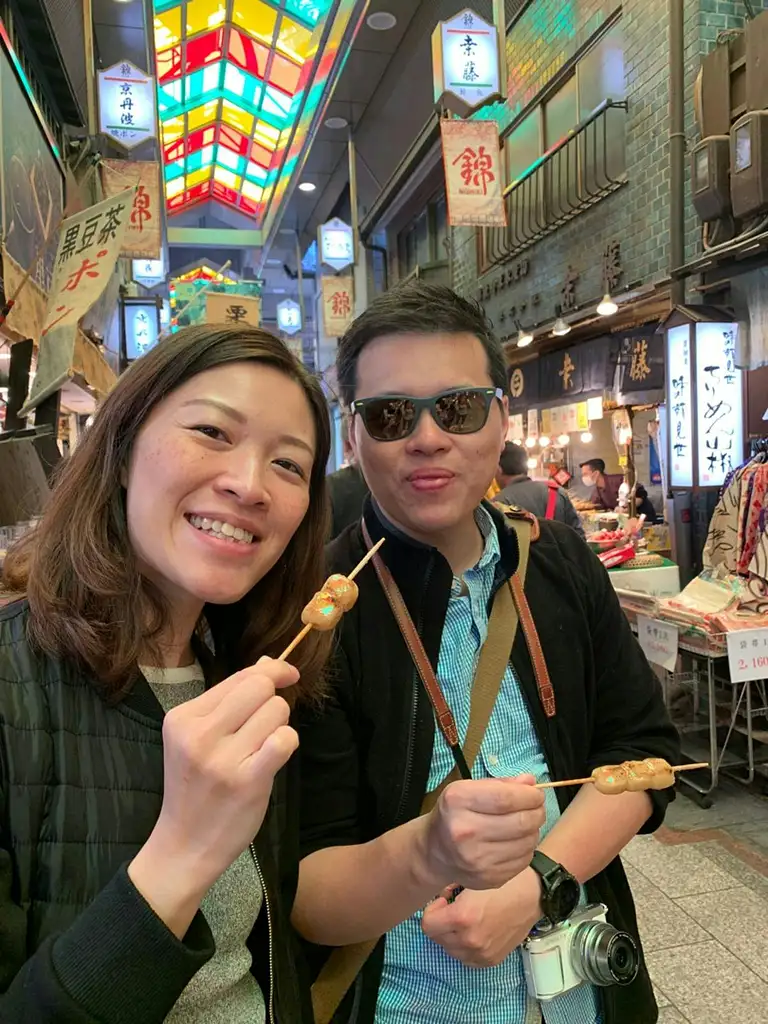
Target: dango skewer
337	596
630	776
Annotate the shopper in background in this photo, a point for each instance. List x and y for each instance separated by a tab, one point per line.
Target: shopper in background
424	377
605	486
545	500
644	505
347	491
147	863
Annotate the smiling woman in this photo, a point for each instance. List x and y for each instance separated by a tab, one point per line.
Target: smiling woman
138	671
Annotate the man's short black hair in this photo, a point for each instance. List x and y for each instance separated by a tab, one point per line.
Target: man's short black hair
417	308
514	460
597	464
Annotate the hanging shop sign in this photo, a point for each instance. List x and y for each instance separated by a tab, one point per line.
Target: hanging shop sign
289	316
224	308
148	272
642	362
338	305
719	413
127	104
89	245
143	237
578	370
533	423
679	405
473	173
142	328
465	62
337	244
523	385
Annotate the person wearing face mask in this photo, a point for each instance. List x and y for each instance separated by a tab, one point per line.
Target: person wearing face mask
427	886
605	493
148	813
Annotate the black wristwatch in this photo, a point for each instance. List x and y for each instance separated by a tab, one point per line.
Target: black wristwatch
560	891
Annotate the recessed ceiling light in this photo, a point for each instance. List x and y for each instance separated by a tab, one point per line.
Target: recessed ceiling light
272	262
381	21
307	186
336	122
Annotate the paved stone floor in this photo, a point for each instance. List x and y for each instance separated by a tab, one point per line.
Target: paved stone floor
701	889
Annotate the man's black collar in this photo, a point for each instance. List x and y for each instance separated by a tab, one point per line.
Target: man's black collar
405	555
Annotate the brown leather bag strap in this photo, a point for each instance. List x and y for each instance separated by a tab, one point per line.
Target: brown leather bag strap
443	714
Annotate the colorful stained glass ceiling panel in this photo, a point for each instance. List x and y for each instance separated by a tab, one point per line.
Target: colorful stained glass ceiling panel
229	74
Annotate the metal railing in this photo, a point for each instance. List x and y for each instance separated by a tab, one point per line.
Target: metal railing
577	172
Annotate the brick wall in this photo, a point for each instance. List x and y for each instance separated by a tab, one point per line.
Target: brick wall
545	37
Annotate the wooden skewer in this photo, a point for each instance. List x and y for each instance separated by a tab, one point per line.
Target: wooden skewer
583	782
358	568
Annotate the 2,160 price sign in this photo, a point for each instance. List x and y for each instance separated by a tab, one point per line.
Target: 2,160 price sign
748	655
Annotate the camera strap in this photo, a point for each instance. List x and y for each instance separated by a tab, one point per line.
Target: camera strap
510	609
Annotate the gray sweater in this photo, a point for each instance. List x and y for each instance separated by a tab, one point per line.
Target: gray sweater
533	496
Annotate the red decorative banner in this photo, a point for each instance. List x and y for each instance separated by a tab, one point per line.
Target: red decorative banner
474	178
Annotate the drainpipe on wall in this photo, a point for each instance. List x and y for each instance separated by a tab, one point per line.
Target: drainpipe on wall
677	145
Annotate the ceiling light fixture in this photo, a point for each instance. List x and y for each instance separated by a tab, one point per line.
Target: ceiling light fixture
607	307
336	123
517	441
307	186
544	441
530	442
563	440
561	328
381	21
533	463
586	437
524	338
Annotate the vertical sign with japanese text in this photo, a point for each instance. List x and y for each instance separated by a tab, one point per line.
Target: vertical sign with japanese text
473	174
225	308
143	236
338	305
88	249
141	329
719	415
679	406
127	104
465	62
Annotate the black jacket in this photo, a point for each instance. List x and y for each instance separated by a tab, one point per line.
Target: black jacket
80	791
366	758
347	490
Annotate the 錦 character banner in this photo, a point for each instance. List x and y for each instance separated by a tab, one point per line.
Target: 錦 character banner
143	235
225	308
338	305
474	176
89	245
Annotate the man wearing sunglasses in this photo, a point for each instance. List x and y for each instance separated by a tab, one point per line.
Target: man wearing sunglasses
456	891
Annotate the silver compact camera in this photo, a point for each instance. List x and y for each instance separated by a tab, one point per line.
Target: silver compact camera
584	948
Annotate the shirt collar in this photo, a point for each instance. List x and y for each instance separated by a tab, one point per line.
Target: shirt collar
491	550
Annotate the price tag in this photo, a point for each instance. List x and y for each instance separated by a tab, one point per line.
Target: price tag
659	641
748	654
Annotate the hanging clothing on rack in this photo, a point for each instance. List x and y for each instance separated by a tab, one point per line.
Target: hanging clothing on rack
737	537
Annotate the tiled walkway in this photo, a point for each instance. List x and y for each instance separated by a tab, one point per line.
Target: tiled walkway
701	889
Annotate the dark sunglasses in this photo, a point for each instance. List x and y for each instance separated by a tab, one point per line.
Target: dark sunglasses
394	417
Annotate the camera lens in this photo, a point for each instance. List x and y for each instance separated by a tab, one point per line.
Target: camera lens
603	956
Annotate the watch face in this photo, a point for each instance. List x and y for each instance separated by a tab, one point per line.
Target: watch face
563	897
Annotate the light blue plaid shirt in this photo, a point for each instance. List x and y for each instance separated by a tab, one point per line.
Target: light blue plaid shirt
421	983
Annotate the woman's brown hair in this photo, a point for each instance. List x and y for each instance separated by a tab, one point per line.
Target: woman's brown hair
88	601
